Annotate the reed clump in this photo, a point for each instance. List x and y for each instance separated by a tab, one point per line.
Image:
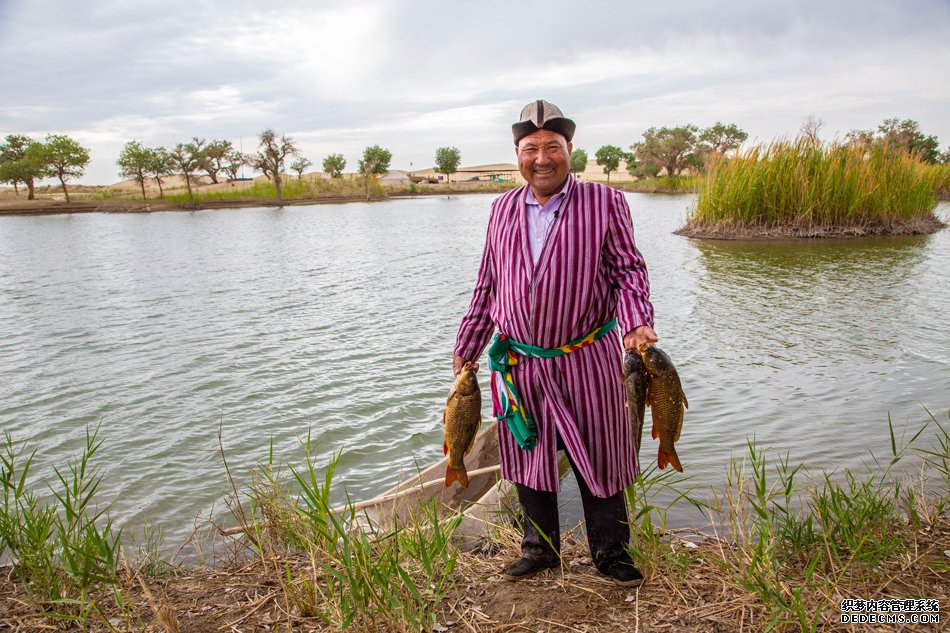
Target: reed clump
799	549
334	565
800	188
64	552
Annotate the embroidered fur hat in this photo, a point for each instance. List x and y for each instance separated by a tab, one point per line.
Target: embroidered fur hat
542	115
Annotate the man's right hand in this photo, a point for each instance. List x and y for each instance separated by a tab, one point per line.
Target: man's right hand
458	362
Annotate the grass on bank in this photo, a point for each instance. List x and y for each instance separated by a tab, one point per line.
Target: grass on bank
787	550
801	188
665	184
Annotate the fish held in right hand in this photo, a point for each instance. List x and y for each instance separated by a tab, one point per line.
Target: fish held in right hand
461	420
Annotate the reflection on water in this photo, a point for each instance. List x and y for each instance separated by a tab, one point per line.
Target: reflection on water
340	319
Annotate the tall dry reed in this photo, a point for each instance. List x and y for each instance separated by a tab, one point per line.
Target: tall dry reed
801	185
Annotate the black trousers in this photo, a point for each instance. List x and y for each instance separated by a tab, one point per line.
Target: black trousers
608	531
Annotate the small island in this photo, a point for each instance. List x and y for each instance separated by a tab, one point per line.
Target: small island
871	184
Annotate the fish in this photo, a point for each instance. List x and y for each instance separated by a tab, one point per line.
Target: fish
461	419
667	403
634	380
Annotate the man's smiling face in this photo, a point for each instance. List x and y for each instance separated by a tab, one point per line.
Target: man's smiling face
544	159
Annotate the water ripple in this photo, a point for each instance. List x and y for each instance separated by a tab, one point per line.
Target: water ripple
339	320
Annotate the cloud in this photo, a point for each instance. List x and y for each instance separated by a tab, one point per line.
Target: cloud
414	75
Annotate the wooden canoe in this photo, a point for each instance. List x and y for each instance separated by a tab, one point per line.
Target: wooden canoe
399	502
488	499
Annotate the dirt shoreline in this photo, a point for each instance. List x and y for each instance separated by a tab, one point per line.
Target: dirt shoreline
693	229
698	598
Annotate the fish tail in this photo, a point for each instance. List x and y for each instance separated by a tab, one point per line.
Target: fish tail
663	458
456	474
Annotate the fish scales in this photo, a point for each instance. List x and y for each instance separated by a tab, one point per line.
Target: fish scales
667	403
635	380
461	420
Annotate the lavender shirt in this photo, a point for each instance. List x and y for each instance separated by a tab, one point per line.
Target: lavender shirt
540	219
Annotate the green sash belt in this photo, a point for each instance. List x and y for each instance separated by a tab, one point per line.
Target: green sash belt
506	401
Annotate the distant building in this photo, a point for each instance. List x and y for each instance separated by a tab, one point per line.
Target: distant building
497	172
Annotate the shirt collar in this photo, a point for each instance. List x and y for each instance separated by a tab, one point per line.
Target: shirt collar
530	199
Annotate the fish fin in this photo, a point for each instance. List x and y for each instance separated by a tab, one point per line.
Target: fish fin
679	430
675	462
685	403
654	433
663	458
646	399
456	474
445	448
451	393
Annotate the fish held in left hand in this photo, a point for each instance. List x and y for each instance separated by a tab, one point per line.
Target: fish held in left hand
635	380
461	420
667	403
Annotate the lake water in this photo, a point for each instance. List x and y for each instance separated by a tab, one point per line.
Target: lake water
339	320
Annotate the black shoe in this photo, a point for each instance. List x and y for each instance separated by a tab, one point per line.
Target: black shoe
624	574
525	567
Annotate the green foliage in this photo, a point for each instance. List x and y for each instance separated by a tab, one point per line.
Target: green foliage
160	165
803	185
392	579
64	158
300	165
654	550
375	161
795	545
186	158
578	161
899	136
670	148
216	157
22	161
60	552
447	160
333	165
721	138
272	153
609	157
134	162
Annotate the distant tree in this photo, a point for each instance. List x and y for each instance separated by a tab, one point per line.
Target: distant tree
945	157
447	161
672	148
270	158
134	162
901	136
609	157
160	165
64	158
21	161
185	158
233	162
333	165
375	162
809	130
721	138
214	157
578	161
299	166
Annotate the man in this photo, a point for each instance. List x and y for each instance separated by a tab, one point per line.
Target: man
559	271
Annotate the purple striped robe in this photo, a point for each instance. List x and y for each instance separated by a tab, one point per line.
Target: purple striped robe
589	272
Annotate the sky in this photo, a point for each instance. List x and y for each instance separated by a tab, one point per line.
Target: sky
416	75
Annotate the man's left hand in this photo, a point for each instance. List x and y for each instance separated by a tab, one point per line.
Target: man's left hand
642	334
